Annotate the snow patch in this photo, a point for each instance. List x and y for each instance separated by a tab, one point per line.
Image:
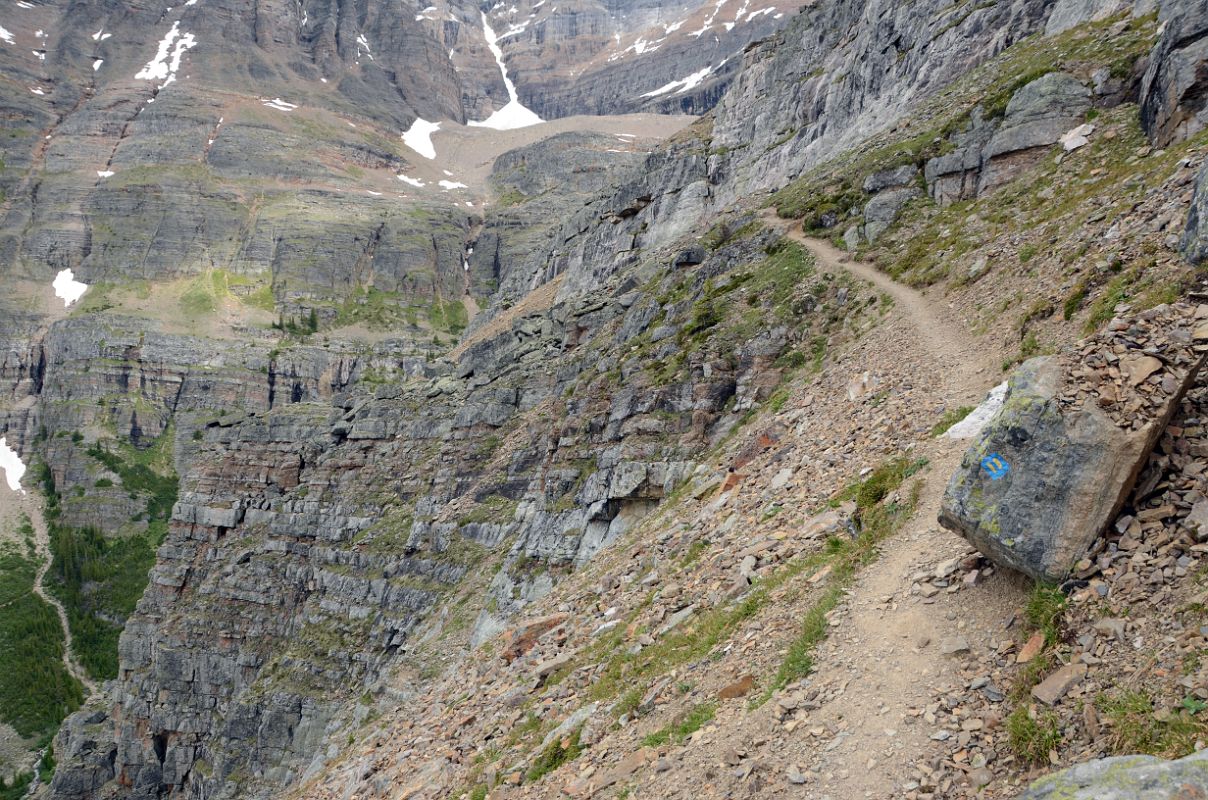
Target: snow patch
38	91
375	194
363	42
513	30
447	185
419	137
105	173
12	465
278	104
23	4
67	288
96	63
684	84
167	58
708	23
514	114
416	182
973	424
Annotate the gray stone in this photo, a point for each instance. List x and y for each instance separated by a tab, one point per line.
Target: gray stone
1172	96
1194	242
883	209
1126	778
1068	474
1036	117
1072	13
891	178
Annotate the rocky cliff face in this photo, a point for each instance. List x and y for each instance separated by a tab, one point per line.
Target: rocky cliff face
313	537
608	58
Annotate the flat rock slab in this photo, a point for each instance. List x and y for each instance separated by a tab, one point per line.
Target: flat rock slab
1050	690
1055	464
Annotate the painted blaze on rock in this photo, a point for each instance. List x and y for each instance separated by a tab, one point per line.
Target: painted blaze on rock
1055	465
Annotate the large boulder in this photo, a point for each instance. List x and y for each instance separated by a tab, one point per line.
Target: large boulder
1174	91
1055	465
1126	778
994	150
884	208
1037	116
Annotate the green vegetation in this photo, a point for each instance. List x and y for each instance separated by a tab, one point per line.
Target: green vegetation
36	690
99	580
799	661
1032	734
134	468
881	481
1044	609
205	293
494	508
511	197
298	326
683	727
17	787
1139	727
558	752
383	311
950	418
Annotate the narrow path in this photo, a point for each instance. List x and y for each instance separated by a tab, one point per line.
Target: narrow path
944	339
886	641
30	506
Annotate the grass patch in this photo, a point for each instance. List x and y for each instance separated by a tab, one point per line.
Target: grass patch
1139	727
558	752
950	418
494	509
1032	733
1043	612
799	661
682	728
880	482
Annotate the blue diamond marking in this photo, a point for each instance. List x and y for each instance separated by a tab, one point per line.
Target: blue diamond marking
995	466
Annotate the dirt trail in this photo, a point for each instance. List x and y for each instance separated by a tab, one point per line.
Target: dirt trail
886	643
946	340
30	506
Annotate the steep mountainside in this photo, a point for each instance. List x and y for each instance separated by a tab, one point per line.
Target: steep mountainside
391	455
